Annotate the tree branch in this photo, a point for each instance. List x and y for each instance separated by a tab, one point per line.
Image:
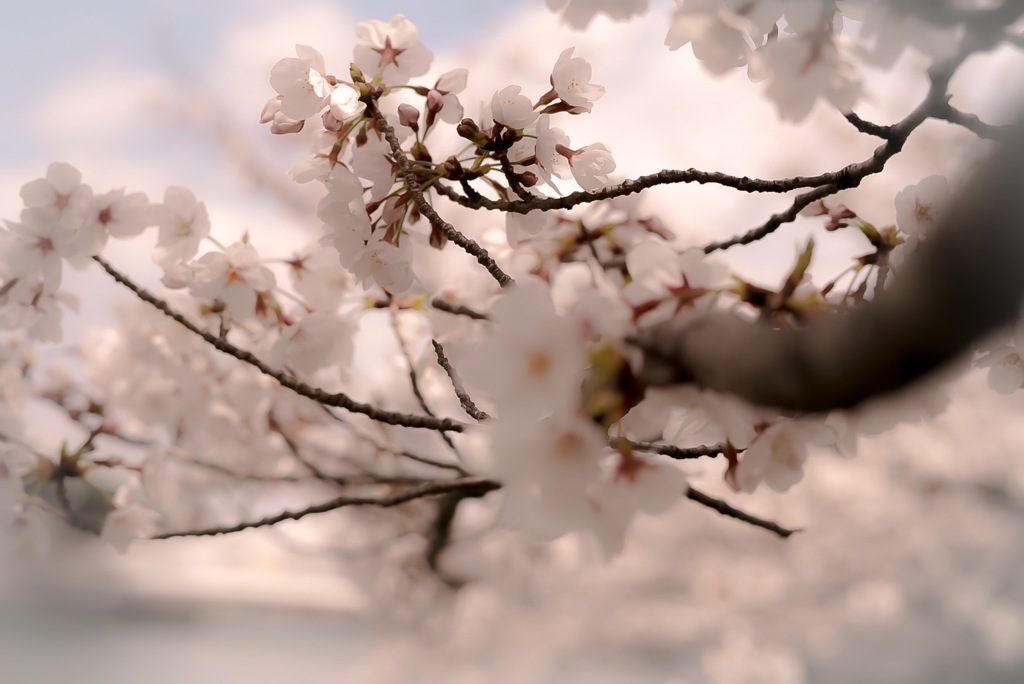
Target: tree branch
467	403
730	511
338	400
467	486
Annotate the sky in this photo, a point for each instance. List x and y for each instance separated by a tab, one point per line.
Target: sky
908	566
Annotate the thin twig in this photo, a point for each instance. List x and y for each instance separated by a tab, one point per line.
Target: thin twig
851	176
477	486
414	380
730	511
467	402
971	122
338	400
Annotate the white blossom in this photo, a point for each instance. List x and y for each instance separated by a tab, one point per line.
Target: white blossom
182	223
803	69
777	455
591	165
234	276
571	80
132	517
511	108
579	13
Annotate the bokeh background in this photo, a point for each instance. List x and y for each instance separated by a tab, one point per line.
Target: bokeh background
909	565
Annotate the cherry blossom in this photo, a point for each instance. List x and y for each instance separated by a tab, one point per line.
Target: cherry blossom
234	276
35	251
665	282
721	31
318	340
579	13
591	165
803	69
279	123
61	194
571	81
113	214
382	262
182	223
391	50
631	484
132	517
1006	369
319	278
345	103
549	469
510	108
919	206
533	362
551	348
550	161
442	97
777	455
301	83
890	29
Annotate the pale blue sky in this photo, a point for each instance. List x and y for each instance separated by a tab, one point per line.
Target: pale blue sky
50	42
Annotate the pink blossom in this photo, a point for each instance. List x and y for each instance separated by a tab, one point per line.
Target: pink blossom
301	83
391	50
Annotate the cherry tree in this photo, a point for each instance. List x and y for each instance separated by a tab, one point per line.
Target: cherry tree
561	386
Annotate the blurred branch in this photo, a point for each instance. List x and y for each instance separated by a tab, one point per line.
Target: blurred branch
730	511
466	486
338	400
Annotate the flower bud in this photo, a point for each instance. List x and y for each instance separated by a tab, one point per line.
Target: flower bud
409	116
527	179
331	122
468	129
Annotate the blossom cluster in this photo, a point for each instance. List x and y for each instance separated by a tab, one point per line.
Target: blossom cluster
547	346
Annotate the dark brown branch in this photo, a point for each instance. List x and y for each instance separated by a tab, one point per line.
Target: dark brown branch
681	453
632	186
467	403
971	122
458	309
730	511
338	400
868	128
414	380
467	486
849	176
